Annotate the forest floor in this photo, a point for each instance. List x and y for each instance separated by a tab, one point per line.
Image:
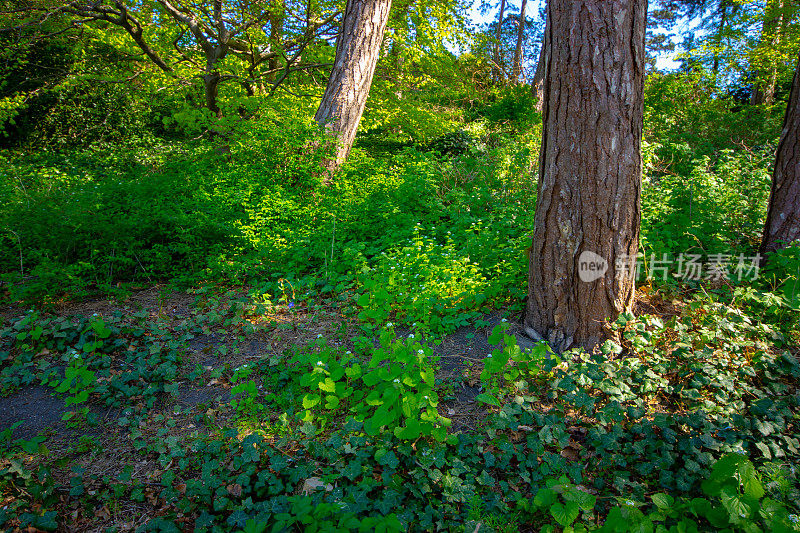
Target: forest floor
113	467
39	409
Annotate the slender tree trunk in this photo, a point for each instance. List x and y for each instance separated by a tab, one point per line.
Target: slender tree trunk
275	35
520	36
586	228
771	37
497	72
357	51
783	215
537	83
723	8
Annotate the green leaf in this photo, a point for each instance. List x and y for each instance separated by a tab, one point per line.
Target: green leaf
764	449
310	400
353	372
328	385
331	402
372	426
488	399
545	497
753	487
410	431
663	501
610	347
81	397
585	500
737	509
565	514
387	458
363	300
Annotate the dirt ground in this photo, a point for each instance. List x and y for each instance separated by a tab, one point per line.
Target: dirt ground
39	408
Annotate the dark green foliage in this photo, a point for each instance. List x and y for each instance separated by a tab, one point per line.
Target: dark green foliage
453	143
513	106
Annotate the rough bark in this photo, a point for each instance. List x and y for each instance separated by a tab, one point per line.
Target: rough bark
589	191
783	215
357	51
497	72
520	37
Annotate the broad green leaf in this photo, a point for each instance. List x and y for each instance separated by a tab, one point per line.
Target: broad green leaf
545	497
310	400
410	431
487	398
328	385
565	514
331	402
663	501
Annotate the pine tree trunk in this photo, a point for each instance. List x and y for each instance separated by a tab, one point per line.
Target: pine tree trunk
497	73
589	192
783	214
357	51
520	36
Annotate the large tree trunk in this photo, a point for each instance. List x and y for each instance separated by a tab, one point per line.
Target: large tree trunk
586	228
497	72
783	215
520	36
357	51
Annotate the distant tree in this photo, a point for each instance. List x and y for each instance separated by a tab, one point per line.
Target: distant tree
357	51
520	39
768	58
497	71
215	41
783	215
586	228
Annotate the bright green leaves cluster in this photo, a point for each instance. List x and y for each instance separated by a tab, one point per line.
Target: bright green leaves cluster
394	391
511	366
245	394
427	283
